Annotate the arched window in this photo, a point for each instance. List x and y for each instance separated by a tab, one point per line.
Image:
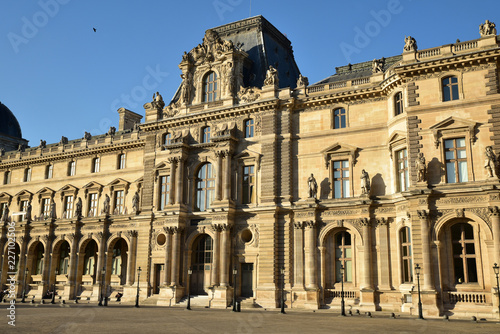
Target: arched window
64	259
450	88
464	253
406	255
249	128
39	257
205	134
339	118
398	103
90	259
27	174
210	87
205	187
96	164
343	256
49	171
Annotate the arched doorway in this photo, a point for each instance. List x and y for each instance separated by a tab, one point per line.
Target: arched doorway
119	263
201	264
63	259
4	271
90	263
38	260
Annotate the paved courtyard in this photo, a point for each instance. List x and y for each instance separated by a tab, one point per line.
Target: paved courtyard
87	318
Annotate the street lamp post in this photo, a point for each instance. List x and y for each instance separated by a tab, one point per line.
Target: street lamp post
417	271
342	303
283	290
101	299
104	287
496	268
54	288
235	272
137	296
24	284
190	272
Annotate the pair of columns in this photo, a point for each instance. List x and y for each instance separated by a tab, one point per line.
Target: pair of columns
172	255
176	177
220	179
305	254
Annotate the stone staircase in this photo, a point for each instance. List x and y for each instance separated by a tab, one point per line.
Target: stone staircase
196	301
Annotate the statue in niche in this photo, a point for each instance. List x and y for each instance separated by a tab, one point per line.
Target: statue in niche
135	203
29	208
410	44
313	186
487	28
490	163
157	101
365	183
105	205
421	168
271	76
78	208
377	65
302	81
229	78
186	87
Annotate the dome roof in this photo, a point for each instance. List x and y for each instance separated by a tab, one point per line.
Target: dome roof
8	123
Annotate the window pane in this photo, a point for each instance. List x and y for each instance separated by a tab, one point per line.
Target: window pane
346	188
450	155
337	189
448	143
454	92
446	94
461	154
345	173
336	164
348	271
460	142
345	163
471	270
450	172
462	166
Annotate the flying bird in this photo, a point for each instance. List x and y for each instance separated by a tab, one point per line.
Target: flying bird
94	29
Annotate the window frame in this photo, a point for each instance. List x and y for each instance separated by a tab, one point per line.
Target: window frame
204	190
49	171
164	191
406	270
467	159
214	94
119	201
341	179
342	115
450	85
249	128
121	161
27	174
205	134
7	177
250	197
96	165
343	258
72	168
405	170
398	104
93	200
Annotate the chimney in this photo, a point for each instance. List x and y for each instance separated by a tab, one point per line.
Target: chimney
128	119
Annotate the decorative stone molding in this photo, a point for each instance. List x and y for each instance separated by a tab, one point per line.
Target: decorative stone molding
422	214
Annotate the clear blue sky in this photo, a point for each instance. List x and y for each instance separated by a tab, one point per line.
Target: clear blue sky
60	78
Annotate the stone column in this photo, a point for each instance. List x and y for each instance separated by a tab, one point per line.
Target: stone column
366	281
47	259
224	258
176	245
173	165
132	235
180	186
216	256
495	224
101	259
218	179
298	255
168	255
426	250
310	251
73	259
227	188
385	272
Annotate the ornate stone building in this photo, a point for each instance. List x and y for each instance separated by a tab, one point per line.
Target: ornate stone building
252	178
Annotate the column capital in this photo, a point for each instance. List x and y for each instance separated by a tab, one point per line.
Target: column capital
131	233
365	222
422	214
494	211
298	225
177	229
309	223
173	160
168	230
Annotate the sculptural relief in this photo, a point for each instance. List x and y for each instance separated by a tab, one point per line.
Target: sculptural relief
410	44
487	28
271	77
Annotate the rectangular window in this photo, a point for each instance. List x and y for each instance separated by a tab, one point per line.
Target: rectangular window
406	255
339	116
96	165
23	208
3	206
27	175
68	207
248	185
121	161
164	191
450	88
398	103
118	202
45	207
6	177
249	128
72	168
403	175
50	171
340	179
93	199
456	160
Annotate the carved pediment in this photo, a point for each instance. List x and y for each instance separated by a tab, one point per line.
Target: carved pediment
45	190
92	185
395	139
118	182
5	197
68	188
249	94
225	129
453	125
212	48
24	194
250	155
340	149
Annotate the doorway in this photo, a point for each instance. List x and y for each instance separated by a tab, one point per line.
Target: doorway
247	279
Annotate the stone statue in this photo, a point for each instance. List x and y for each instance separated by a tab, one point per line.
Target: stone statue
365	183
105	208
29	208
2	151
111	131
20	148
87	135
5	214
43	143
410	44
490	163
135	203
487	28
53	214
64	140
229	78
421	168
78	208
377	65
271	77
186	88
302	81
158	101
313	186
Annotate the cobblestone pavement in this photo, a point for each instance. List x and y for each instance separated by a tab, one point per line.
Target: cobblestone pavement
89	318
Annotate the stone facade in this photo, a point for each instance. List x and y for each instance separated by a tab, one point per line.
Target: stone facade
250	178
